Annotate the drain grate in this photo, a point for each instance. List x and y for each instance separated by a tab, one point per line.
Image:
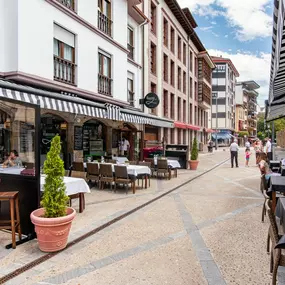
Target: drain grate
46	257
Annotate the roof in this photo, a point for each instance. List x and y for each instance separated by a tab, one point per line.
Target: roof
251	84
208	58
186	21
190	17
217	59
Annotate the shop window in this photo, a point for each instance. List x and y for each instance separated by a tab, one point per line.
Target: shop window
153	17
104	74
131	43
64	55
105	17
131	92
172	38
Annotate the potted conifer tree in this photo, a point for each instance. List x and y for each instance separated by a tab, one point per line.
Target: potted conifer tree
53	221
193	162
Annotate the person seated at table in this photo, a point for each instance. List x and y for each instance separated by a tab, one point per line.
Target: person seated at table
13	160
264	166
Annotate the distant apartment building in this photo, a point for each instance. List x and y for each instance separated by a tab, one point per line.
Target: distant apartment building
178	69
246	107
223	99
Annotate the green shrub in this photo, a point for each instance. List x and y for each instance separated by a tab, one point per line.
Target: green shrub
194	150
54	198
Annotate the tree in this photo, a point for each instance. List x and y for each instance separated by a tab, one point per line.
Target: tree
54	198
194	150
263	131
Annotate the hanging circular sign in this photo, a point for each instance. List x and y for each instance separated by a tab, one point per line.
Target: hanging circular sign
151	100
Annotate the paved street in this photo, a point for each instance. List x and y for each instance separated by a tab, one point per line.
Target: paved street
206	232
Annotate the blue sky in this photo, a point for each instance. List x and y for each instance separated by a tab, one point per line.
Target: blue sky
240	30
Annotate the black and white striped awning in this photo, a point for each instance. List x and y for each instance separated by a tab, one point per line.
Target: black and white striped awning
113	112
61	105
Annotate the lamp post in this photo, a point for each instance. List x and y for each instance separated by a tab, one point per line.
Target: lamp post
215	96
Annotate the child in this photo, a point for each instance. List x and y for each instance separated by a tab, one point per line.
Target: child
247	156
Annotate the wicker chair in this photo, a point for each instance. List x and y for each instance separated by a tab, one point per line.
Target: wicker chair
277	256
142	176
80	196
93	172
162	168
111	161
78	166
122	177
106	175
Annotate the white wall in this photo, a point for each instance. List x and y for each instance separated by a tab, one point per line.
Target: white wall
239	95
35	41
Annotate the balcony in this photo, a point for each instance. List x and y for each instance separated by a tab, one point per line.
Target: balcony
204	72
104	24
70	4
104	85
204	95
131	52
64	70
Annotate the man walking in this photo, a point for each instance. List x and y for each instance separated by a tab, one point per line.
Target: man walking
269	149
234	153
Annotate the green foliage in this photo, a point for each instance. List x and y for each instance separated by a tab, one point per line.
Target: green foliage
261	135
263	131
194	150
54	198
241	134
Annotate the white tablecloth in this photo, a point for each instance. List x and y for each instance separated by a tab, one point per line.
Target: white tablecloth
11	170
73	185
171	162
120	159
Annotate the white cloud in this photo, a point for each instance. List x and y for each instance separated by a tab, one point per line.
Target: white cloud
206	28
214	23
250	67
249	17
226	36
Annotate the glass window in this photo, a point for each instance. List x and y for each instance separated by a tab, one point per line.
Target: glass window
17	139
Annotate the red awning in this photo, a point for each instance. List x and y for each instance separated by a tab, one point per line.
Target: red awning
192	127
180	125
210	131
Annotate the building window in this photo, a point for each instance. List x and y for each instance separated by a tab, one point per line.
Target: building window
184	53
172	106
130	43
172	73
191	87
64	55
172	136
191	61
105	17
153	58
153	17
184	137
179	136
179	78
184	111
153	90
196	91
184	82
165	103
165	68
199	116
195	119
70	4
104	74
179	109
172	38
165	32
179	47
131	92
196	66
206	125
191	114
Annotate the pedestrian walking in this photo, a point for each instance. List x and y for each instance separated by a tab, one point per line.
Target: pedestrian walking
247	156
258	150
234	153
247	145
268	151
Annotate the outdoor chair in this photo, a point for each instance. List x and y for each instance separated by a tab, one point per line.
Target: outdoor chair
162	168
122	177
153	168
277	255
80	196
29	165
111	161
78	166
93	172
142	176
106	175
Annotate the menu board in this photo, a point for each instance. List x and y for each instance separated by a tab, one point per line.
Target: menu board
78	138
26	137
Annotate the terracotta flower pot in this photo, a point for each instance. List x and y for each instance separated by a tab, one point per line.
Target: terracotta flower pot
52	233
193	164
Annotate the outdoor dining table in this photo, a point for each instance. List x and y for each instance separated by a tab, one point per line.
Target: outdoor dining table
280	213
274	164
277	184
73	186
12	170
172	163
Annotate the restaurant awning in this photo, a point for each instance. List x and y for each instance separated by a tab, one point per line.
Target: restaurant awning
75	105
277	73
223	136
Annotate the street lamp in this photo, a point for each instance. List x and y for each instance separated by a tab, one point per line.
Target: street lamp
215	96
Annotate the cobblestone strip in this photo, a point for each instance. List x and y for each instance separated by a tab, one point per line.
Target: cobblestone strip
210	269
98	264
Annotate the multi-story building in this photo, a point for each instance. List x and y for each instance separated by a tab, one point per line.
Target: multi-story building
246	107
223	99
178	68
79	49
